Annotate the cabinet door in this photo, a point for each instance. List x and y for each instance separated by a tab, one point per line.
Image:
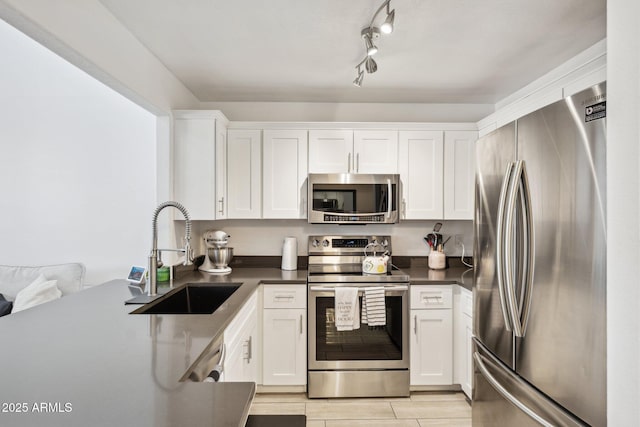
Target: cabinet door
421	163
375	151
330	151
242	344
431	347
221	171
244	170
459	174
194	157
284	161
284	353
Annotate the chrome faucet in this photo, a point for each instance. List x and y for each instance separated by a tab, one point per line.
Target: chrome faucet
153	257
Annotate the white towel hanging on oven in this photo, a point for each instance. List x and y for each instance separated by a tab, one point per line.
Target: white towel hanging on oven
373	307
347	309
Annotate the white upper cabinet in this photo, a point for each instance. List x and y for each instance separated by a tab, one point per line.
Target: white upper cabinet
284	161
199	161
349	151
421	172
330	151
221	170
375	151
459	174
244	173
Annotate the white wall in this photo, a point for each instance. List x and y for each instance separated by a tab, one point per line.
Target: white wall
77	165
623	211
265	237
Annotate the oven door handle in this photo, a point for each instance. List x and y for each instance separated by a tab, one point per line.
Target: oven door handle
332	289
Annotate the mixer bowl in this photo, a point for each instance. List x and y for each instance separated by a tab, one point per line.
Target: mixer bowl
221	257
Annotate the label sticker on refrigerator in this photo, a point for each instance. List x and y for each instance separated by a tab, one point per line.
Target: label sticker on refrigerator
595	111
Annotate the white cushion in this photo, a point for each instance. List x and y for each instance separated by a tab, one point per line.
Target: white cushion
13	279
38	292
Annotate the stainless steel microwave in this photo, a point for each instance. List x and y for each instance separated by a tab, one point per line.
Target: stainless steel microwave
353	198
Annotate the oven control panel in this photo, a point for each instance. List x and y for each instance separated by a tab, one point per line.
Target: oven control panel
344	245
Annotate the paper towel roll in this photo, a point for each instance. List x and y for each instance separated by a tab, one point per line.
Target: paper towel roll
290	254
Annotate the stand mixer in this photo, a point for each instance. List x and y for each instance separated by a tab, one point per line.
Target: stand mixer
218	255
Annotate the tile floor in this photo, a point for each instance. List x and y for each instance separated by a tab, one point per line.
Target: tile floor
422	409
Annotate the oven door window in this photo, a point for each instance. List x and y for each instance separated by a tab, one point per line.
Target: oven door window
366	343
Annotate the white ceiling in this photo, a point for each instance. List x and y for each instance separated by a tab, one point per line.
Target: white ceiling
442	51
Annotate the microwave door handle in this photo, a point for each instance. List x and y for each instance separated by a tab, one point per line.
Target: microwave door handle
388	215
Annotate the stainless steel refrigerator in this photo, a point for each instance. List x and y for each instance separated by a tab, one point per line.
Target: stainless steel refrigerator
540	248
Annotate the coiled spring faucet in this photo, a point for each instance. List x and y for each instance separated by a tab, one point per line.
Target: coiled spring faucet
153	257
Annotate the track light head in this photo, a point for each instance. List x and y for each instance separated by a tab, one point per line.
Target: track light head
370	65
370	34
387	25
358	81
371	48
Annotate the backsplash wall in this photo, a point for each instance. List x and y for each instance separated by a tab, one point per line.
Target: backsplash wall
265	237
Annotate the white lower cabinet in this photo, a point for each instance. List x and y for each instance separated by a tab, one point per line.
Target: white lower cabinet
242	344
463	334
284	335
431	335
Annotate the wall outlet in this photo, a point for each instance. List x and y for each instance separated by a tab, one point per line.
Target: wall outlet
458	239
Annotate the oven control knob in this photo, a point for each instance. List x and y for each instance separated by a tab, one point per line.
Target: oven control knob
315	243
325	243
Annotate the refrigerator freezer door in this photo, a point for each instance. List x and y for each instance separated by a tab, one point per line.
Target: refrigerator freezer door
494	153
563	352
501	398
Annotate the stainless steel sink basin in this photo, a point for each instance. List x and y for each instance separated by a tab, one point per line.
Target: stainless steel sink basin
192	298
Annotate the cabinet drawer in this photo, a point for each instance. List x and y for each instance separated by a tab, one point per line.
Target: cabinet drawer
285	296
466	301
431	296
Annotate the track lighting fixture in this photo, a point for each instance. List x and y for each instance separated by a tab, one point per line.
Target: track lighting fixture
371	33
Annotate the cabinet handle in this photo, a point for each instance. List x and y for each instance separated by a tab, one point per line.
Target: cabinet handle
221	201
301	324
358	162
247	356
348	162
415	324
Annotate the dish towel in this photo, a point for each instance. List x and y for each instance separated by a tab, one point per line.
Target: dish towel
373	307
347	309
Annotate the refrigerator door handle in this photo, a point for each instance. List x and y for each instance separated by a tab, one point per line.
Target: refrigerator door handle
480	363
529	249
518	192
500	244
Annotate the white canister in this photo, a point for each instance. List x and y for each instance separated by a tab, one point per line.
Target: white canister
437	259
290	253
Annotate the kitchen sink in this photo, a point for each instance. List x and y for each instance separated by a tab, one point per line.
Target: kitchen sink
192	298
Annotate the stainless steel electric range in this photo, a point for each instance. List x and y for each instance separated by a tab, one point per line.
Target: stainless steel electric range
368	361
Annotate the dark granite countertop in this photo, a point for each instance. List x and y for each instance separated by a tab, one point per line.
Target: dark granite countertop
83	360
418	270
